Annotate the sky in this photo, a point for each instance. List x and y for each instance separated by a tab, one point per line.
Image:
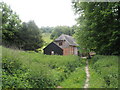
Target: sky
44	12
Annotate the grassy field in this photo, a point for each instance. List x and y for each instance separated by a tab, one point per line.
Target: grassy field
34	70
76	79
104	71
46	37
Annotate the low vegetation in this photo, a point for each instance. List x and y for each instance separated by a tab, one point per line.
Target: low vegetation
34	70
22	69
76	79
93	32
104	71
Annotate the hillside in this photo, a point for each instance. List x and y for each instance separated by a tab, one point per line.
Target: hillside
46	37
97	36
34	70
30	69
104	71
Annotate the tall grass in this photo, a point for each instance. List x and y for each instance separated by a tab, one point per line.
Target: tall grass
35	70
75	80
104	71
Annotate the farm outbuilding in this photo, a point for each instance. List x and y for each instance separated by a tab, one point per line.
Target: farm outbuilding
53	49
63	45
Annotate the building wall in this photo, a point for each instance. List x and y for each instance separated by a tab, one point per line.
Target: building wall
71	50
53	49
75	51
67	49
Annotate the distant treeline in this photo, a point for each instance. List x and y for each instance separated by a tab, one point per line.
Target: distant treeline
58	30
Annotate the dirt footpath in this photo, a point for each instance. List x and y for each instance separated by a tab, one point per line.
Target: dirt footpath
87	75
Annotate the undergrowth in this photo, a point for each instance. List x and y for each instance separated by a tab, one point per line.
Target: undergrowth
104	71
34	70
76	79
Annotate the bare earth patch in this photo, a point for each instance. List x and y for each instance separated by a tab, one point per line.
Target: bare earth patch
59	87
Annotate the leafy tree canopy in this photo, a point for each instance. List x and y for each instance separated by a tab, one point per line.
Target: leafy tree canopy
98	26
46	29
58	30
24	35
11	25
31	36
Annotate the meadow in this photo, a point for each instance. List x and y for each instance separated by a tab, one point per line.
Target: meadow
104	71
34	70
46	37
47	40
28	69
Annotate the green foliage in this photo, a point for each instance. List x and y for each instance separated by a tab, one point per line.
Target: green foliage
76	79
30	69
10	25
47	29
46	38
14	74
104	72
58	30
46	41
96	81
98	26
30	36
25	36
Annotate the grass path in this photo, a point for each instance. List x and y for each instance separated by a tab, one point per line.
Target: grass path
77	78
87	75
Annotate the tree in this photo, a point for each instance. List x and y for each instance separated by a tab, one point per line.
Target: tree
25	36
46	29
30	35
99	26
0	26
58	30
10	25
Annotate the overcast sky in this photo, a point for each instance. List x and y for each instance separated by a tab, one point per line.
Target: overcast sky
44	12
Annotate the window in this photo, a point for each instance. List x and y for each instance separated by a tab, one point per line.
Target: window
60	43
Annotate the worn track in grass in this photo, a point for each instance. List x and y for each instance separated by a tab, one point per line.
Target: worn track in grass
87	75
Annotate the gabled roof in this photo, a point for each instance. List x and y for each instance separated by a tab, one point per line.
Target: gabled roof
68	38
51	44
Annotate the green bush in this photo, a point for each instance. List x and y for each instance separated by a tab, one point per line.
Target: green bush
14	74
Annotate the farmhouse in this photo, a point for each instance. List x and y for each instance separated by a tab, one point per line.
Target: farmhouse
63	45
